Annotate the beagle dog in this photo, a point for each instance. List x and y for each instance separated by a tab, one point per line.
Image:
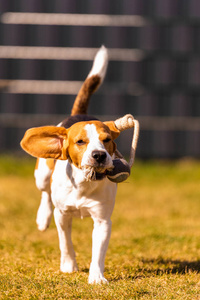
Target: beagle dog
74	159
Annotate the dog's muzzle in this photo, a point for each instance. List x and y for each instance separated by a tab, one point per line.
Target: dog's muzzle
99	168
97	165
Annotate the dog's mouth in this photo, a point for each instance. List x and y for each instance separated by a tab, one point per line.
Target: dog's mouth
95	173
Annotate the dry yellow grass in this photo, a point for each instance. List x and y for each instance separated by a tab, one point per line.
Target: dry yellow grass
154	251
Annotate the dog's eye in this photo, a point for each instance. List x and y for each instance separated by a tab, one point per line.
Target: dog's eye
107	140
80	142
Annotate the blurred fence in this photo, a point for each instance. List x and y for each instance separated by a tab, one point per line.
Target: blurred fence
47	48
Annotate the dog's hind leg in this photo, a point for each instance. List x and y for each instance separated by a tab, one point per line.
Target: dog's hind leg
64	224
44	213
43	171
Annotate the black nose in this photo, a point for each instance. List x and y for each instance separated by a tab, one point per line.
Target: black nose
99	156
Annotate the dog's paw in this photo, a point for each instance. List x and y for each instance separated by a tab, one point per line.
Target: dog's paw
97	278
68	266
44	216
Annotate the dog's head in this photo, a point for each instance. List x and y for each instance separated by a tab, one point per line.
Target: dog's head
88	145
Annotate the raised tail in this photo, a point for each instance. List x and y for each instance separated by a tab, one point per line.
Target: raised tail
92	82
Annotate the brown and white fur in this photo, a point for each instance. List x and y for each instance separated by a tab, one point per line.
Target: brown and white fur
71	173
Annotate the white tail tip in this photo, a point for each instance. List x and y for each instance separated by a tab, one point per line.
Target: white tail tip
100	63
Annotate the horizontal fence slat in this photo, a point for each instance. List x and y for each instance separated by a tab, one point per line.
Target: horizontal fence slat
146	123
62	53
40	87
84	53
69	87
64	87
73	19
35	18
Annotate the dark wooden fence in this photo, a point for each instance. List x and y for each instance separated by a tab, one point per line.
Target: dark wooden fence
47	48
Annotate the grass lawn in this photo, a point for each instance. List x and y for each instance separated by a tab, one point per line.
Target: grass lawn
154	251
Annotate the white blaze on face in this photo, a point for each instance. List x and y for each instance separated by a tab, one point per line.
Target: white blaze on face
94	145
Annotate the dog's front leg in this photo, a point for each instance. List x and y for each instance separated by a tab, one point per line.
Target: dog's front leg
100	239
64	223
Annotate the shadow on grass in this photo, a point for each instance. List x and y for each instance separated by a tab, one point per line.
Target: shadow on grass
157	267
168	266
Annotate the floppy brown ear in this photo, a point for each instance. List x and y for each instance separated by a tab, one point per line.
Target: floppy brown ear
114	130
46	142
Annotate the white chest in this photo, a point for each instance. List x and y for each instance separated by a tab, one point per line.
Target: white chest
73	194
